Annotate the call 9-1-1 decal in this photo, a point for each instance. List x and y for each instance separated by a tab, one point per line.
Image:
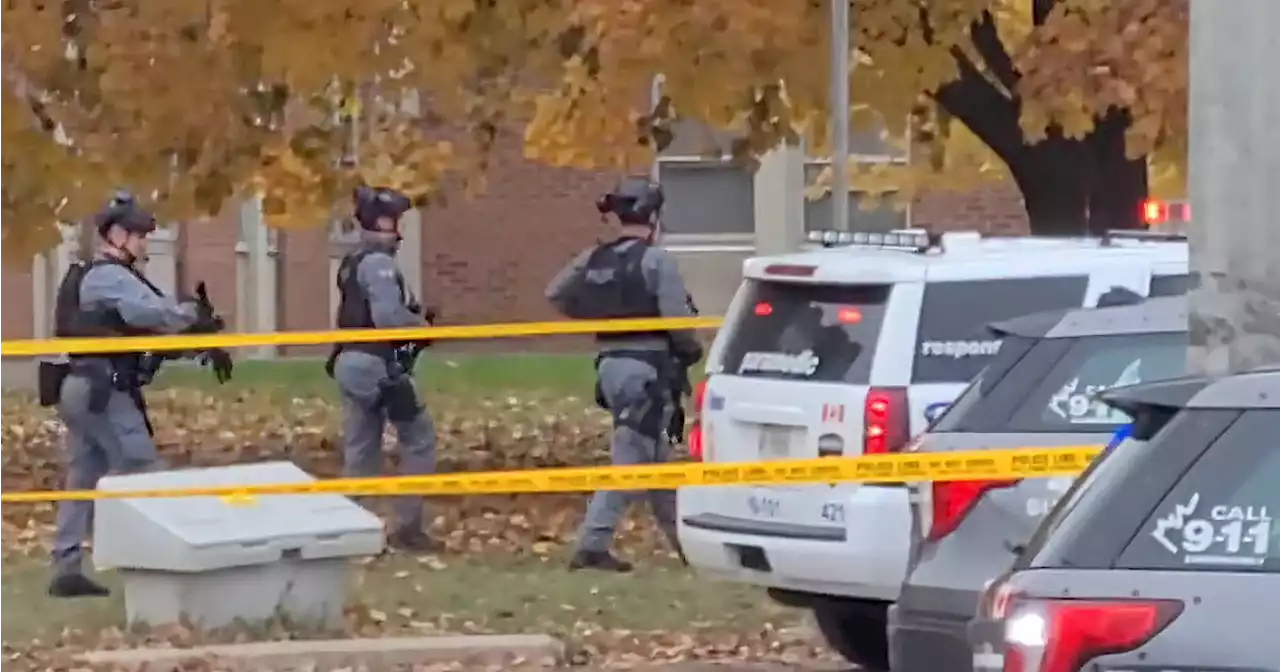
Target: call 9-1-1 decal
1220	534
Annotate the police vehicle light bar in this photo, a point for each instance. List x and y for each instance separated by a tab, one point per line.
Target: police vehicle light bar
832	238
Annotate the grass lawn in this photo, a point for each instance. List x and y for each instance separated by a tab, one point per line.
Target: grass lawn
461	374
485	592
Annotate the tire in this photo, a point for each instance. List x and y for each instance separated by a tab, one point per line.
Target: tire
856	632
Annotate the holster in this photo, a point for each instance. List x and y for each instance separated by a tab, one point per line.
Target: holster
398	397
49	378
643	415
396	391
102	382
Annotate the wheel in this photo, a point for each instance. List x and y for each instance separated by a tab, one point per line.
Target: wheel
856	632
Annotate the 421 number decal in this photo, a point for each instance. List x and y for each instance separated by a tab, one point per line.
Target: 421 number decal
1228	535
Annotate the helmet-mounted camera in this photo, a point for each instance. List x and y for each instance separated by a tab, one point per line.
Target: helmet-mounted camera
123	211
373	203
635	200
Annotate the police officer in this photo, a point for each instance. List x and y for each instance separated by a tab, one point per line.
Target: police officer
629	277
375	380
98	396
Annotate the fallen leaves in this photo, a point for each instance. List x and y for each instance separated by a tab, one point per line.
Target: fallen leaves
195	428
503	571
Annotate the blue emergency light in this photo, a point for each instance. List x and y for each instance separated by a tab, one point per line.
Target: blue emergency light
1119	436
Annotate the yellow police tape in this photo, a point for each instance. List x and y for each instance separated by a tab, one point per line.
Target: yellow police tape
84	346
897	468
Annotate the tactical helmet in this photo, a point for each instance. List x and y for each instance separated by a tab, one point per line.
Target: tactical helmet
372	203
636	200
123	211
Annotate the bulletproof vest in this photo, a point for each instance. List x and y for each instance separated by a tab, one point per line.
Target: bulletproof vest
353	302
71	320
611	286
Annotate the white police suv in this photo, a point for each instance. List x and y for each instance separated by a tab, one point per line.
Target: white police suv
850	349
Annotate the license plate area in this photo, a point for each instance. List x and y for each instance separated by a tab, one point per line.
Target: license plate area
813	505
776	441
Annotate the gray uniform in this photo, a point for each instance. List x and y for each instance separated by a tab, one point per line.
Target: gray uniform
631	386
117	439
359	375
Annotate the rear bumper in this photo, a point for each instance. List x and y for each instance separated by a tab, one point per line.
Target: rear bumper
866	558
921	642
928	630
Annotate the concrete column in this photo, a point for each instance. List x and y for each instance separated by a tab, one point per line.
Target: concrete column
1234	173
779	201
257	271
410	254
47	271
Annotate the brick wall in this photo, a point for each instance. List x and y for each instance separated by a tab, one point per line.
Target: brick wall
489	258
995	209
16	321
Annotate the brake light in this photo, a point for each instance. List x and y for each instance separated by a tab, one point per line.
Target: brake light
849	315
695	430
884	420
790	270
763	309
1061	635
952	501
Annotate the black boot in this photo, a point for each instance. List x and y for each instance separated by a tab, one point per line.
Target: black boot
414	541
601	560
76	585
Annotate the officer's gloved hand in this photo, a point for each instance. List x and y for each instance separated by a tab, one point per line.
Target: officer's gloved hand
690	356
221	363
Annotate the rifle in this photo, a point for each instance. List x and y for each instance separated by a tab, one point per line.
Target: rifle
680	387
406	355
209	322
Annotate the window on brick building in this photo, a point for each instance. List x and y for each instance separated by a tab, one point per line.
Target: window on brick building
706	197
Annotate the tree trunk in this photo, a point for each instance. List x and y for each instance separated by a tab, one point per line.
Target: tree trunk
1070	187
1119	184
1081	187
1052	176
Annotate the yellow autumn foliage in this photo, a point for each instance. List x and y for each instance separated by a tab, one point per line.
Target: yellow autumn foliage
295	101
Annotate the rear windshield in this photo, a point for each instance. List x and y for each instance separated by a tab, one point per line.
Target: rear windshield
953	343
1219	516
806	332
1052	388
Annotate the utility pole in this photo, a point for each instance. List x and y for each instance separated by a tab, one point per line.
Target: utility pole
840	114
1234	172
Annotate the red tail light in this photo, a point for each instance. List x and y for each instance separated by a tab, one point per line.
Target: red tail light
695	430
1061	635
953	500
1154	212
763	309
884	420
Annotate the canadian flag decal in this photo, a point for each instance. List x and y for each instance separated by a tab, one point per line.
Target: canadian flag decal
833	412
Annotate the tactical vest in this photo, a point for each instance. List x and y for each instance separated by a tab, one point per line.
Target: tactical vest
353	304
611	286
71	320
